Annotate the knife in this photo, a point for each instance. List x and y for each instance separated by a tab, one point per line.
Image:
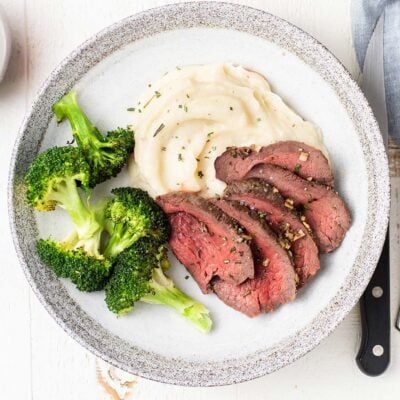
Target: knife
374	354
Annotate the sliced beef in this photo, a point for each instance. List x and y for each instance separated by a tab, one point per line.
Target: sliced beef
324	210
292	230
202	238
275	279
297	157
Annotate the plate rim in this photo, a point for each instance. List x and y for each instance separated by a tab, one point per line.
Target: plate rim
175	371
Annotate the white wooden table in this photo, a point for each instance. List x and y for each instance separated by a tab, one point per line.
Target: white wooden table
37	359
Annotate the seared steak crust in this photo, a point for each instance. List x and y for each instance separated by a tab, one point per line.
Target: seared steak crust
323	209
275	279
297	157
291	228
202	239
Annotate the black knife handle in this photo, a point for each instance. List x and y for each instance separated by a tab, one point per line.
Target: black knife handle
374	355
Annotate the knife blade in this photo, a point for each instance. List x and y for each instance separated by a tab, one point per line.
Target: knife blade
374	354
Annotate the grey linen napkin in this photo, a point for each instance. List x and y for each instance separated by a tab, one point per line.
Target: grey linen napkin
365	15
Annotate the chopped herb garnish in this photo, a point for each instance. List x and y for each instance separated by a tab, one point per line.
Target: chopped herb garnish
187	96
214	148
206	157
297	168
180	158
159	129
180	106
178	68
158	94
209	134
148	102
149	85
163	148
231	108
183	147
258	119
198	159
130	109
185	108
139	110
200	174
233	249
187	277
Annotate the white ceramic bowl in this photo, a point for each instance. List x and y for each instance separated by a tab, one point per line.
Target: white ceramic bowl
5	44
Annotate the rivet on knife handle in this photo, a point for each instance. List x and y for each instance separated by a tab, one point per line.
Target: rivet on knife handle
374	355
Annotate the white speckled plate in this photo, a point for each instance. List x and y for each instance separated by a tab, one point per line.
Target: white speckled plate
110	71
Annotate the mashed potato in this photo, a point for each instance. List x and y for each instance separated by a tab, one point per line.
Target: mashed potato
192	114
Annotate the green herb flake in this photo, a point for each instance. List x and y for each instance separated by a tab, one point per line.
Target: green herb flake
233	249
159	129
209	134
185	108
180	106
187	96
163	148
200	174
297	168
158	94
259	119
187	277
131	109
180	158
231	108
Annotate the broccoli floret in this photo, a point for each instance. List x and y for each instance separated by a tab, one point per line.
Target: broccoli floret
52	176
139	276
52	180
105	154
87	272
133	214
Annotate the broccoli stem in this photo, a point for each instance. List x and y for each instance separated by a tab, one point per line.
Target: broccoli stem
85	221
85	133
165	292
119	241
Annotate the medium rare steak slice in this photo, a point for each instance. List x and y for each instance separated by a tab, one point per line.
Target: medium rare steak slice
292	231
203	239
323	209
297	157
275	279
